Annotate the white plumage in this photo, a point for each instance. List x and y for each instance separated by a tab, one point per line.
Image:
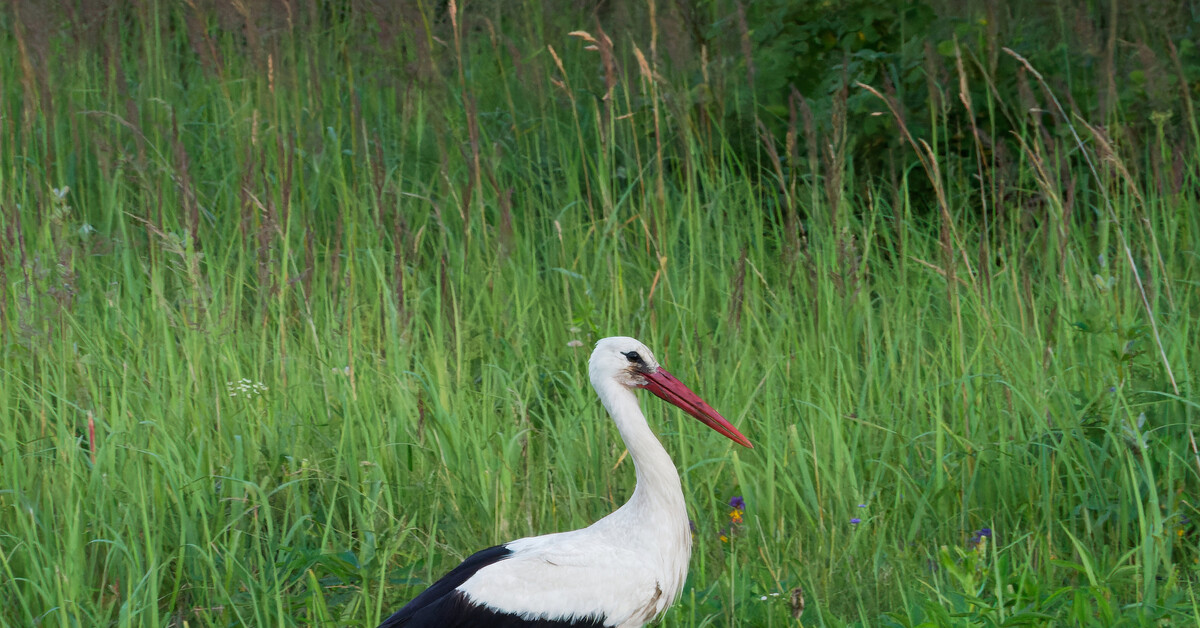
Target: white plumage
623	570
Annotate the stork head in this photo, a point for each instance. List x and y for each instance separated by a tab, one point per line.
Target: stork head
622	359
630	363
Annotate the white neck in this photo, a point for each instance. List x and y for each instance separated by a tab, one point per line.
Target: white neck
657	479
655	517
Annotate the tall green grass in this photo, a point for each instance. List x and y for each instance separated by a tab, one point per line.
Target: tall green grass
297	308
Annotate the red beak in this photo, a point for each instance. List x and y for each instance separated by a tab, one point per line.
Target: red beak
666	387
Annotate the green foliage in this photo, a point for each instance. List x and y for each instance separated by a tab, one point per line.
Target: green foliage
928	61
297	306
821	49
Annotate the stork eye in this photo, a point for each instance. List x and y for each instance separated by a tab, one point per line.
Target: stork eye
633	356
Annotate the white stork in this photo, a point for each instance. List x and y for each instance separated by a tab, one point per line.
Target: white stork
623	570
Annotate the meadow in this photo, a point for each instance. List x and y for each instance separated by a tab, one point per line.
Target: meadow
298	298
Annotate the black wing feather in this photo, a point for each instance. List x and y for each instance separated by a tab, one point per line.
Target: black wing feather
436	594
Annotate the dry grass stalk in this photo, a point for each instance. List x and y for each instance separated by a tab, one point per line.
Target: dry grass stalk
835	153
928	160
1109	156
604	46
1050	191
1112	214
985	178
649	77
800	115
739	288
559	64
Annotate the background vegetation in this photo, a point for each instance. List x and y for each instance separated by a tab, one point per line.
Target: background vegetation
298	298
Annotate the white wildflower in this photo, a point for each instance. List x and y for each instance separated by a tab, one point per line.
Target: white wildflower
245	388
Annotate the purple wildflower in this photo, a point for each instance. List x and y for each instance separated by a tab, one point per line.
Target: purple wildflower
737	503
980	535
855	521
